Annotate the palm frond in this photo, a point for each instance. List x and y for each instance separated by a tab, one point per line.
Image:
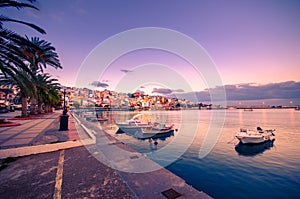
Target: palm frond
6	19
17	4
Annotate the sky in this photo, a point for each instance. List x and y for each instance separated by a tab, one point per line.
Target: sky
249	42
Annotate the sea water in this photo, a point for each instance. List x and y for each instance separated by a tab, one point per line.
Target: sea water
229	170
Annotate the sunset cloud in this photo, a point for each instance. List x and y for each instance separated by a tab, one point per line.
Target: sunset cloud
166	91
251	91
282	90
99	84
126	71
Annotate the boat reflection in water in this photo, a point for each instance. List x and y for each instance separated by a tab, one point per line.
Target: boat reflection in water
254	149
153	140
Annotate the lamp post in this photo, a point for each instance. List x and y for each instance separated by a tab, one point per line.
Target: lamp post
64	117
64	108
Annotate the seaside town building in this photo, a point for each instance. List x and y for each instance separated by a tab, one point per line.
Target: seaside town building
106	99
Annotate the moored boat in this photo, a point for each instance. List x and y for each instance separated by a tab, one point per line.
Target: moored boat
246	136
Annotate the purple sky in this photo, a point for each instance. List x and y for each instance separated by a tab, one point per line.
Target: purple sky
249	41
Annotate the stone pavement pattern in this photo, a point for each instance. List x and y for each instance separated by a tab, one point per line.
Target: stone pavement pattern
40	129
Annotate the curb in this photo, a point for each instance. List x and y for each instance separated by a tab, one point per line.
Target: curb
32	150
90	133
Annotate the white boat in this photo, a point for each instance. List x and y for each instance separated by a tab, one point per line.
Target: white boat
246	136
157	128
133	123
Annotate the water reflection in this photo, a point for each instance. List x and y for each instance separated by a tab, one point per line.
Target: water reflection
154	141
253	149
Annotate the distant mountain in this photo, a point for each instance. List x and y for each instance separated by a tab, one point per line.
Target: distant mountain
284	93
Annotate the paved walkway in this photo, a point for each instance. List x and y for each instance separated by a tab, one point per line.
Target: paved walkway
38	129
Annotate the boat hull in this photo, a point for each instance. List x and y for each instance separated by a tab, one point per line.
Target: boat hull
252	140
252	137
154	132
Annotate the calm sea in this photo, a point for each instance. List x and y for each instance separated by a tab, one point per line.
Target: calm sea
230	170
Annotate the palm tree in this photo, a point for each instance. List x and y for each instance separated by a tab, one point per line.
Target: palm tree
45	90
22	81
54	98
39	55
22	59
11	65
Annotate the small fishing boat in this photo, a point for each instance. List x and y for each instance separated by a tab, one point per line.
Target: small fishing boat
246	136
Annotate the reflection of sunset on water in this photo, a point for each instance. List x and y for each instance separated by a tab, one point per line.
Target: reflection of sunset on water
292	117
241	118
264	117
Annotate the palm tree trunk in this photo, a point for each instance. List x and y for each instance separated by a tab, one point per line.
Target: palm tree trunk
24	107
47	108
33	106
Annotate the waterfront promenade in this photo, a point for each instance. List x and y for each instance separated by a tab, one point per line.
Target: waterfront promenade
39	161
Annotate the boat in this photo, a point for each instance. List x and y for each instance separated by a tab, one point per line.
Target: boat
157	128
246	136
297	108
133	123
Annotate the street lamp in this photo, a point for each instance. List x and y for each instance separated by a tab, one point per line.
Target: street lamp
64	108
64	117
